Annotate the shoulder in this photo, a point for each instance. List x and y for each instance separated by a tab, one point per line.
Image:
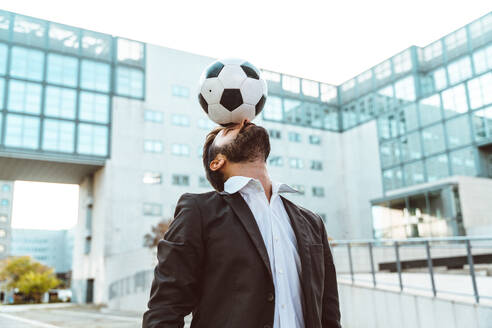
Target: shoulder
313	218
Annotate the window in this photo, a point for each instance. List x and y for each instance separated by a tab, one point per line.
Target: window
458	131
390	153
22	131
27	63
95	75
180	150
152	209
318	191
58	135
180	91
454	101
383	70
180	120
3	233
294	136
4	202
430	109
6	187
392	178
150	177
296	163
94	107
2	248
62	70
459	70
463	162
276	161
206	124
153	146
440	79
414	173
316	165
93	139
290	83
405	90
482	60
153	116
203	182
130	52
433	50
328	92
24	97
129	82
275	134
273	109
180	180
410	146
3	218
60	102
433	139
3	58
437	167
479	90
314	139
299	188
455	39
310	88
402	62
482	121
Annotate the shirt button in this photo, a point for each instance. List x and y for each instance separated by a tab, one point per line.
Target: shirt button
270	297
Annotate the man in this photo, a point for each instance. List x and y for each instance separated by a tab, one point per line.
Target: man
243	256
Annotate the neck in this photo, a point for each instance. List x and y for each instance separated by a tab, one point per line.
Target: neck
256	170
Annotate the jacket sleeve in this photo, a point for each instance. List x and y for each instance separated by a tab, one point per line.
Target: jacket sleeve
175	288
331	307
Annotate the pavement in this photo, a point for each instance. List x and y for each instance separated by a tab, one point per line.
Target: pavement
68	315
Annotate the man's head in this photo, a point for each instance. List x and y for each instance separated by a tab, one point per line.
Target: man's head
237	143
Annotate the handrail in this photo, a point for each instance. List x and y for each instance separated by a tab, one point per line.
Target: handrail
426	243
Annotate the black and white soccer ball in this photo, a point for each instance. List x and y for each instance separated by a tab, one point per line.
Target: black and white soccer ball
231	90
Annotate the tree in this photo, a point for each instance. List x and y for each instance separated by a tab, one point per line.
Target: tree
152	239
30	277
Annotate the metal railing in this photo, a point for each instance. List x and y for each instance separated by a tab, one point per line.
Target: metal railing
379	251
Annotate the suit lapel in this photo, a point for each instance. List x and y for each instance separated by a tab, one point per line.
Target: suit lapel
300	226
247	219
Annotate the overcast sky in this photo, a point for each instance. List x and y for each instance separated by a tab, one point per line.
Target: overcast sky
329	41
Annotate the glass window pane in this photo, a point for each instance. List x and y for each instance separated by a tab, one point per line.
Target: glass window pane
62	70
390	153
290	83
440	80
4	24
482	60
3	58
96	45
130	52
463	162
22	131
459	70
458	131
437	167
430	109
409	118
383	99
60	102
273	109
480	91
58	135
433	139
27	63
482	122
129	82
64	38
410	146
94	107
383	70
392	178
402	62
24	97
92	139
95	76
405	90
414	173
454	101
29	31
2	91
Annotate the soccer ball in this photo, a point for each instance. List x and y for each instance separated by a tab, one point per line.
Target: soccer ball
231	90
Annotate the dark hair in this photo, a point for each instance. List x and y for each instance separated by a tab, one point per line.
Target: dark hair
251	143
215	178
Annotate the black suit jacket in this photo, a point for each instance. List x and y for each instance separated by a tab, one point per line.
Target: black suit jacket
213	262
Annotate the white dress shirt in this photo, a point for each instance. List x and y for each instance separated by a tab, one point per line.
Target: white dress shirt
281	245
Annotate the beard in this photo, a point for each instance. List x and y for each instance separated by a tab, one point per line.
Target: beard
252	143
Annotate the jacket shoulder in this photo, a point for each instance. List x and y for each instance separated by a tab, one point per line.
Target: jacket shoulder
312	217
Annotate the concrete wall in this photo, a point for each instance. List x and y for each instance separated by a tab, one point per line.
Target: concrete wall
363	307
476	205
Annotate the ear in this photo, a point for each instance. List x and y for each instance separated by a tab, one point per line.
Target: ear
218	162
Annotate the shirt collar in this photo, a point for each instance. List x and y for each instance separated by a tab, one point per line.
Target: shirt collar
238	182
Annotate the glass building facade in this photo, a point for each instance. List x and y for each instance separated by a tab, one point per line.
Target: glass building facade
433	107
57	83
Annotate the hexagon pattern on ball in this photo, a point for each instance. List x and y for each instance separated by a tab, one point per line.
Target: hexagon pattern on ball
231	90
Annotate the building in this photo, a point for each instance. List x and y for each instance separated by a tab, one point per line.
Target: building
401	150
53	248
6	197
